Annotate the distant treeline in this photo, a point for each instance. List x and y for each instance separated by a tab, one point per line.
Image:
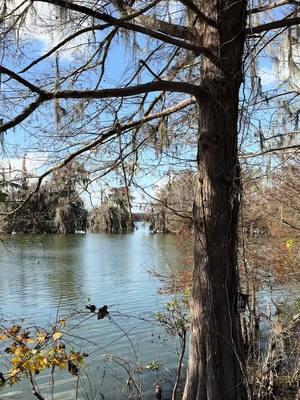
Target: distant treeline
58	208
141	217
55	208
265	202
172	212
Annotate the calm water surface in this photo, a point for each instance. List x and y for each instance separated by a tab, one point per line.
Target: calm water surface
38	274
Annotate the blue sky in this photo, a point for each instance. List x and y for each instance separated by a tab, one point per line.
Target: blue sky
36	41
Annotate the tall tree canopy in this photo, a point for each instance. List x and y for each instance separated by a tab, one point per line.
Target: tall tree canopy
137	88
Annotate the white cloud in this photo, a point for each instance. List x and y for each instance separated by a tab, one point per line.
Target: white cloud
44	25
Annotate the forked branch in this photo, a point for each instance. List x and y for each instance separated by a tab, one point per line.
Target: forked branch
116	130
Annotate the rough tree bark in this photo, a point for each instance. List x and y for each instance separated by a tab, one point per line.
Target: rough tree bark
215	370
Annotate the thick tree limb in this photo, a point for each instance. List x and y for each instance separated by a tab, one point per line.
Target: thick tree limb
192	6
81	32
169	86
116	130
161	32
22	116
103	94
21	80
167	28
179	31
281	23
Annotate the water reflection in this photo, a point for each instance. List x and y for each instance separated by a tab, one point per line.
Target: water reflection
37	273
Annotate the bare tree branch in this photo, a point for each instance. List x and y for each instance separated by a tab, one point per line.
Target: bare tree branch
271	6
191	6
63	42
179	87
285	222
274	150
85	30
281	23
21	80
168	30
165	204
103	94
23	115
103	137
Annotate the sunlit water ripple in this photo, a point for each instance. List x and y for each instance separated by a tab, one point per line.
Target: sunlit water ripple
38	274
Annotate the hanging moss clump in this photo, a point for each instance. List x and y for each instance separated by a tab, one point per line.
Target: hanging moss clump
113	215
55	208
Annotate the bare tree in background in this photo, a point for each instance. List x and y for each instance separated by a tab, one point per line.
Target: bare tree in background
136	81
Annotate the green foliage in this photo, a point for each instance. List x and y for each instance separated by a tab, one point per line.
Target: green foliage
290	243
187	293
153	366
176	316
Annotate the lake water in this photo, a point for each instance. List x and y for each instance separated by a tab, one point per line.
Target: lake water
38	274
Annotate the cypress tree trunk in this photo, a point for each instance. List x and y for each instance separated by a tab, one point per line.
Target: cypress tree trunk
216	365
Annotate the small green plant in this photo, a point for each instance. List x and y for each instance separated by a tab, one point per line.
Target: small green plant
153	366
290	243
